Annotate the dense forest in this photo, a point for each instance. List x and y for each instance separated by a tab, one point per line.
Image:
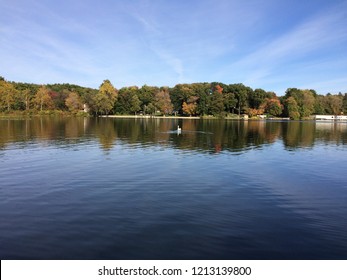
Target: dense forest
196	99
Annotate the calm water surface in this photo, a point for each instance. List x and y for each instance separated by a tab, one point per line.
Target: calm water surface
135	189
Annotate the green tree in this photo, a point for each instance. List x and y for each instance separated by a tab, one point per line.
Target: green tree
258	97
307	104
305	100
242	94
128	101
150	108
146	96
202	93
230	101
217	101
319	105
344	104
292	108
88	98
180	93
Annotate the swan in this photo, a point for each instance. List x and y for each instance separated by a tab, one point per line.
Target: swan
178	128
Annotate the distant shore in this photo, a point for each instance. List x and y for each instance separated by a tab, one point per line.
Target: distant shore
57	113
148	117
234	117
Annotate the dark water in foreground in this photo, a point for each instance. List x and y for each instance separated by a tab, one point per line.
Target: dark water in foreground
135	189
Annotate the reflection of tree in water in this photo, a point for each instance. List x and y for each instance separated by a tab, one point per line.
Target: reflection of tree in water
57	129
211	136
74	128
217	135
273	131
261	132
298	134
324	132
223	135
256	133
106	133
188	139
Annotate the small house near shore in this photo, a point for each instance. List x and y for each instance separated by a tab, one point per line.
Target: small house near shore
86	108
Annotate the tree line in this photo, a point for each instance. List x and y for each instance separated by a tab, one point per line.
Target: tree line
196	99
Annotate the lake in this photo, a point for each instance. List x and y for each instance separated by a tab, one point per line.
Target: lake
107	188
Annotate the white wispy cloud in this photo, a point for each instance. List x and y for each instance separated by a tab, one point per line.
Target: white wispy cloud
188	37
33	46
153	37
315	35
169	42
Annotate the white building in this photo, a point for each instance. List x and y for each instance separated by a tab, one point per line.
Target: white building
86	108
330	118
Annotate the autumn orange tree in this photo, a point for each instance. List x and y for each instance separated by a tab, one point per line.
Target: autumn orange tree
162	101
218	89
273	106
73	102
190	107
252	112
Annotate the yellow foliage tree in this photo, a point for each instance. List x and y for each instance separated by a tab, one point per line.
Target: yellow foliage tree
105	98
42	99
7	95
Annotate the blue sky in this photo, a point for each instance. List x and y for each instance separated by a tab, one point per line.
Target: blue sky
270	44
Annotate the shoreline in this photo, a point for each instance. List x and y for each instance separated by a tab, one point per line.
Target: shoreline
146	117
15	115
237	118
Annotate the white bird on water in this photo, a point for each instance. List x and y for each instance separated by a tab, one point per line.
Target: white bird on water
179	129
